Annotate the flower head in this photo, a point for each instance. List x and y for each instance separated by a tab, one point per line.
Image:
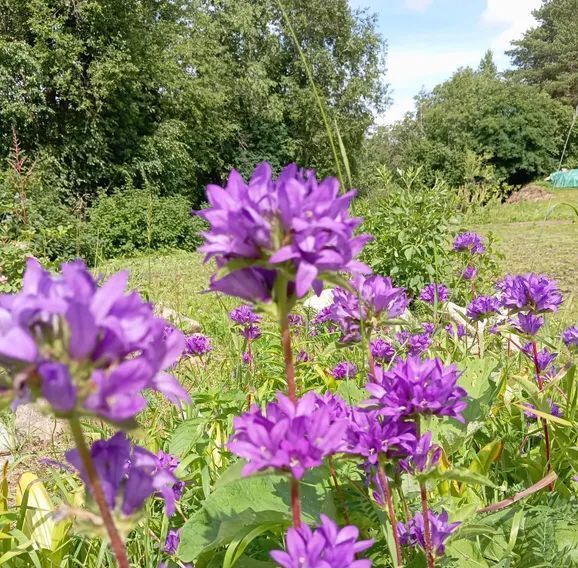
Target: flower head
295	320
418	343
424	456
369	434
247	358
418	387
172	541
244	315
570	336
293	220
86	344
530	324
328	546
433	293
128	474
290	437
414	532
382	350
375	298
198	345
482	307
302	357
469	273
458	330
343	370
469	242
544	357
529	292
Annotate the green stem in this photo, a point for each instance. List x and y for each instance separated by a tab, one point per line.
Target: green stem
390	510
97	492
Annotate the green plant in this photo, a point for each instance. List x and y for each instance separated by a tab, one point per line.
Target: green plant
411	224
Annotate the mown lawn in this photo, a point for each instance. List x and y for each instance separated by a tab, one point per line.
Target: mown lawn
540	237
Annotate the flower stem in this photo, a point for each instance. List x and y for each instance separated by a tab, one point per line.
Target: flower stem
543	420
283	310
426	526
391	512
97	492
295	502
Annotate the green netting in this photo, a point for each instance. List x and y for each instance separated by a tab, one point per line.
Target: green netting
568	178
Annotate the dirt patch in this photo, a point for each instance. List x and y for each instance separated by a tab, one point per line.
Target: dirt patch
531	193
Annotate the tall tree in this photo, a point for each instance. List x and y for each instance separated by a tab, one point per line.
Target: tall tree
547	55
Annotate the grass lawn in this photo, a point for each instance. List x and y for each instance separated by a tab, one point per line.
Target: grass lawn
540	237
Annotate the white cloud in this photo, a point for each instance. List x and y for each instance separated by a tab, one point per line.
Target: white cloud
513	16
417	5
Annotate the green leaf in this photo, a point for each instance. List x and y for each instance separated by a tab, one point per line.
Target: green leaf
185	436
459	474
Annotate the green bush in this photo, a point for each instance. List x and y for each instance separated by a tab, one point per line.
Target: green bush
134	220
411	225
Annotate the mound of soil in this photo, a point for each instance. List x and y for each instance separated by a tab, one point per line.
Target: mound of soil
531	193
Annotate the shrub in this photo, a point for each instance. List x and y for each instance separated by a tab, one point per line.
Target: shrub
135	220
411	224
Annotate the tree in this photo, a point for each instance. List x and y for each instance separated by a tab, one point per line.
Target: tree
547	55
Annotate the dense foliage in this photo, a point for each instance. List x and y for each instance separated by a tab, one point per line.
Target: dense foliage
547	53
478	128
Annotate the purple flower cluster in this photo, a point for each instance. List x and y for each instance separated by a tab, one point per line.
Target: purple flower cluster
381	350
294	221
423	457
544	360
482	307
86	345
470	272
296	320
433	293
529	324
328	546
570	336
287	436
374	299
469	242
529	292
247	320
172	541
458	330
413	533
128	474
418	387
415	344
344	370
198	345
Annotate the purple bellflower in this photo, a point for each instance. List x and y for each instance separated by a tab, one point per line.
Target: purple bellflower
458	330
197	345
470	272
289	437
482	307
343	370
529	324
293	220
413	533
529	292
469	242
434	292
570	336
85	344
128	474
545	357
328	546
418	387
244	315
172	541
381	350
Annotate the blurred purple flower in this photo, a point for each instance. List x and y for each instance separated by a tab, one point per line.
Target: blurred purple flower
418	343
128	475
344	369
532	292
247	358
249	220
469	242
112	340
555	410
424	456
374	298
529	324
469	273
382	350
296	320
459	330
303	357
418	387
428	328
434	292
545	358
290	437
251	332
172	541
244	315
570	336
413	533
328	546
482	307
198	345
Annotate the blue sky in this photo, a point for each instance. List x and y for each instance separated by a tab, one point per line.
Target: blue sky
429	39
